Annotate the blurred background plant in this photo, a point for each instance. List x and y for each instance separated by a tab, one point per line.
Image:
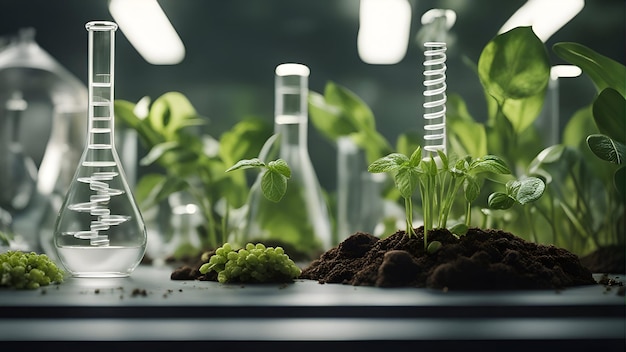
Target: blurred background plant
187	172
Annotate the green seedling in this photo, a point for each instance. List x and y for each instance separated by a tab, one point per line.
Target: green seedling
274	179
439	184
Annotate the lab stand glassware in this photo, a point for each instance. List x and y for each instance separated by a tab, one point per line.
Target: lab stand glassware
42	120
100	231
300	218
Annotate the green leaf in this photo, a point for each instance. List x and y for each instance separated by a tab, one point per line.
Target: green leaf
603	71
606	149
391	162
171	112
157	152
530	189
416	157
244	140
407	180
273	185
523	112
281	167
499	200
471	189
246	164
330	120
514	65
609	114
466	136
489	163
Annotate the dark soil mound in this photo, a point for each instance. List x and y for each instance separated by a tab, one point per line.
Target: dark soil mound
480	260
606	260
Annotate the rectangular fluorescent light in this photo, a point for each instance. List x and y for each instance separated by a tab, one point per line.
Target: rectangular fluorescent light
148	29
545	16
384	28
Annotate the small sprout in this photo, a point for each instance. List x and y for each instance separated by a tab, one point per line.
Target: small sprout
274	179
433	247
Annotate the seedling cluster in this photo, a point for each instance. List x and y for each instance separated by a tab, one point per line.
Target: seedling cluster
439	182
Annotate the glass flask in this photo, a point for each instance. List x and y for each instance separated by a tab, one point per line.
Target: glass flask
45	106
99	231
360	204
300	220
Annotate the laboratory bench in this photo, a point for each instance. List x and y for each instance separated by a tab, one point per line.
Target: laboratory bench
149	311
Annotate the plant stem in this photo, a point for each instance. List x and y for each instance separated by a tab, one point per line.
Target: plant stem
408	208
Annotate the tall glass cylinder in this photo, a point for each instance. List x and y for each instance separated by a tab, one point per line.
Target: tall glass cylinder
300	220
100	231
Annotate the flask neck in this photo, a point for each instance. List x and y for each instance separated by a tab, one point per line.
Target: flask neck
294	133
101	85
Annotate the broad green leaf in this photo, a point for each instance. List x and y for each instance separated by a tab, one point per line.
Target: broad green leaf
466	136
609	114
530	189
499	200
579	126
329	120
523	112
273	185
603	71
246	164
407	180
514	65
154	188
471	189
356	110
171	112
124	112
281	167
606	149
549	155
489	163
244	140
157	152
391	162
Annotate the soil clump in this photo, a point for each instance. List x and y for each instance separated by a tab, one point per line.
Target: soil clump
483	259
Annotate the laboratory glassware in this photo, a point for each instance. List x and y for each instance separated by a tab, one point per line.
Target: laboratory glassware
434	98
100	231
46	106
300	218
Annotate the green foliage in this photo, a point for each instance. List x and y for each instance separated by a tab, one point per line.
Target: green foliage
339	112
187	160
255	263
514	70
439	182
274	179
28	270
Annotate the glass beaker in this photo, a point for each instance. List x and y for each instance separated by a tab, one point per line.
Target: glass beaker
300	221
100	231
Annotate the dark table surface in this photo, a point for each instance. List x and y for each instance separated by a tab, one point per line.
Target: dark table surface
150	309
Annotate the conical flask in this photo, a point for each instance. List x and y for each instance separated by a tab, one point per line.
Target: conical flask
100	231
300	220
